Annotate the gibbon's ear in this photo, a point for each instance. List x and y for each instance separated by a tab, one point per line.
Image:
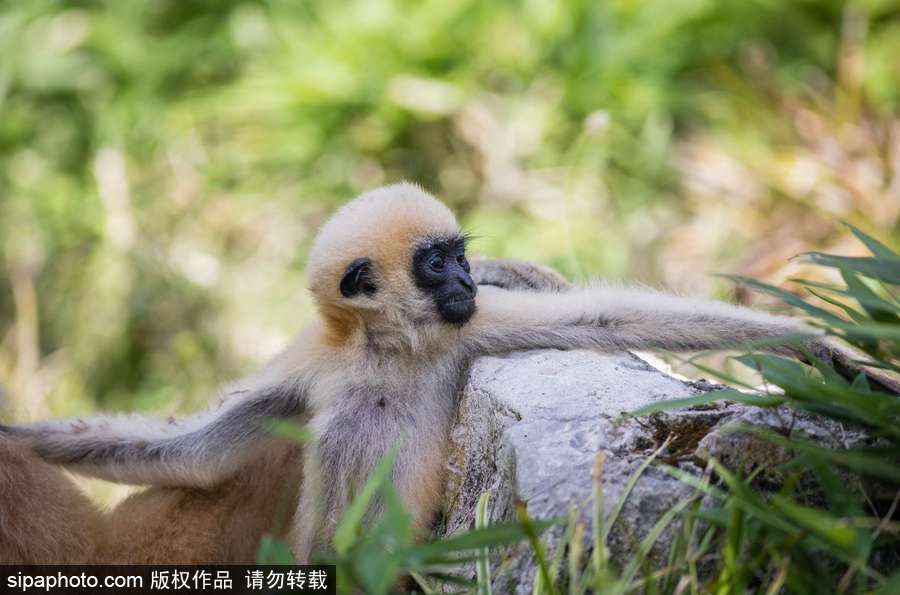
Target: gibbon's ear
358	278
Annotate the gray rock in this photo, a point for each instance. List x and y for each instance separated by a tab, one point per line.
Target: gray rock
531	425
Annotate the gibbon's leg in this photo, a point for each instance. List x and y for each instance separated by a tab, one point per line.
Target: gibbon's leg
219	525
517	275
44	519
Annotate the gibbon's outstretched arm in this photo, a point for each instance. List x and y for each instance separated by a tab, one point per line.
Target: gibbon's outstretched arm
615	319
847	361
196	451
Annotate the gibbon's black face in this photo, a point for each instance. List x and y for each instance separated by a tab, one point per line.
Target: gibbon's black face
440	269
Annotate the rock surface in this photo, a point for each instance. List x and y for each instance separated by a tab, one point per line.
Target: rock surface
531	425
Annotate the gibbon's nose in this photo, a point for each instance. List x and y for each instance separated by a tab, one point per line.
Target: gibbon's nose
465	281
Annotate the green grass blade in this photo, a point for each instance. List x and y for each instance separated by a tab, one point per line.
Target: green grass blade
483	565
599	556
576	547
350	525
705	399
499	534
785	296
876	307
650	539
274	551
629	485
880	463
877	249
537	549
885	269
422	582
829	528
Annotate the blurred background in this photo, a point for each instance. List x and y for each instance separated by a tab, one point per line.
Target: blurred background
164	163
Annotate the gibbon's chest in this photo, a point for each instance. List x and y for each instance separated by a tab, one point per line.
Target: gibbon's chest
369	419
394	389
390	403
381	402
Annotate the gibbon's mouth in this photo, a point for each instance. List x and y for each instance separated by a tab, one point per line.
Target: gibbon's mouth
457	310
454	301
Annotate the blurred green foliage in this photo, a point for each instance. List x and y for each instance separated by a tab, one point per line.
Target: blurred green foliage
164	163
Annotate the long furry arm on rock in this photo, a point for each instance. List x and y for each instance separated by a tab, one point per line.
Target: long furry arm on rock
617	319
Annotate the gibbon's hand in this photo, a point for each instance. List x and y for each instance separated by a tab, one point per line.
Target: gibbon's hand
849	362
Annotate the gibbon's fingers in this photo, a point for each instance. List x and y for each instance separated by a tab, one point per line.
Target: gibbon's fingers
614	319
196	451
517	275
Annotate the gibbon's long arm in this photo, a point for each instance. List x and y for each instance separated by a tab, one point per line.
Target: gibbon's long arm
615	319
728	327
195	451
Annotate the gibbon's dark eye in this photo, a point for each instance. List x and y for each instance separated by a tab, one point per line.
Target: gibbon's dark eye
463	262
436	262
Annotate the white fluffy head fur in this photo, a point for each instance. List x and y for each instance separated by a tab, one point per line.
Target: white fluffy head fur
384	225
